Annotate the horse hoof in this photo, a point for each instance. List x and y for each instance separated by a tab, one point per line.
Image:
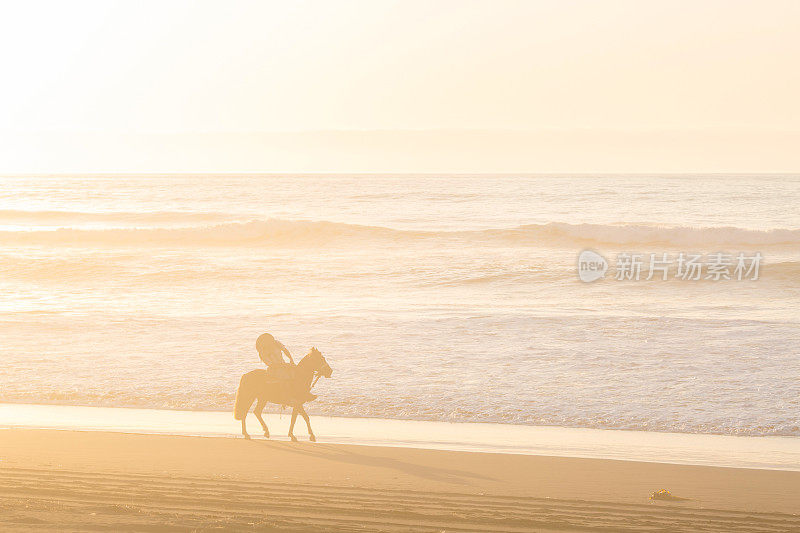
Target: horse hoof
246	437
312	438
294	439
266	434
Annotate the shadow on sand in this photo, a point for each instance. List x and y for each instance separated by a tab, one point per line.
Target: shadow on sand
352	456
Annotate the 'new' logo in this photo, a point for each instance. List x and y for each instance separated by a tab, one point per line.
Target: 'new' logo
591	266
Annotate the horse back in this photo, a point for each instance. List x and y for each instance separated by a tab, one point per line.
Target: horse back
258	373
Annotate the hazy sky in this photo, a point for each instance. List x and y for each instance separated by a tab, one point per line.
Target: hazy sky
594	72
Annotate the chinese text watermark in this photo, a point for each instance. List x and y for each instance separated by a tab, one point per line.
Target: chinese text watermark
630	266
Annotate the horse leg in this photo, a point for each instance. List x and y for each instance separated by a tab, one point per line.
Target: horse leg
291	425
311	435
244	427
259	408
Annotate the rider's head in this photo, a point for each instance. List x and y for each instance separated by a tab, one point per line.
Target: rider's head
264	343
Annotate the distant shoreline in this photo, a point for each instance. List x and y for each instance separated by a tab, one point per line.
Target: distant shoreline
766	453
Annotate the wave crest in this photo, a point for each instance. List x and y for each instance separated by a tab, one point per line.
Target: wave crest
66	218
637	234
317	233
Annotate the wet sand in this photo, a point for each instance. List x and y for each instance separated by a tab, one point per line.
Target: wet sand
88	480
772	452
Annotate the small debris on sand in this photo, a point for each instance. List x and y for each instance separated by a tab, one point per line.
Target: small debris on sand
665	495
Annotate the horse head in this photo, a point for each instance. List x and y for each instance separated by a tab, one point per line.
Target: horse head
319	364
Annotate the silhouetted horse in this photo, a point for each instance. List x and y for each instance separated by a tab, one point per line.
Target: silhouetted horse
257	385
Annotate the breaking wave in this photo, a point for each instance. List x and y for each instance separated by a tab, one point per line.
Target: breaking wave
67	218
635	234
279	232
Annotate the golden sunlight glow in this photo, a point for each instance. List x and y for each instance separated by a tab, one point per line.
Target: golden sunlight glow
692	85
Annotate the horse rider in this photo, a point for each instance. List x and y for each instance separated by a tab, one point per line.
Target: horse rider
271	352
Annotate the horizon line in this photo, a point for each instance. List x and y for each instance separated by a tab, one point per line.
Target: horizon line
94	173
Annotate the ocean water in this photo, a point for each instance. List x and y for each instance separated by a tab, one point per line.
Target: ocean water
446	298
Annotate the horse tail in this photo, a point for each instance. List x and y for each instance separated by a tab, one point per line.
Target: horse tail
245	395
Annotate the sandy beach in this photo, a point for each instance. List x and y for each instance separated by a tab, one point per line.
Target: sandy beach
73	480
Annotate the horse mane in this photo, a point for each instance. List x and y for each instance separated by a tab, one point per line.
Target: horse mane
308	358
